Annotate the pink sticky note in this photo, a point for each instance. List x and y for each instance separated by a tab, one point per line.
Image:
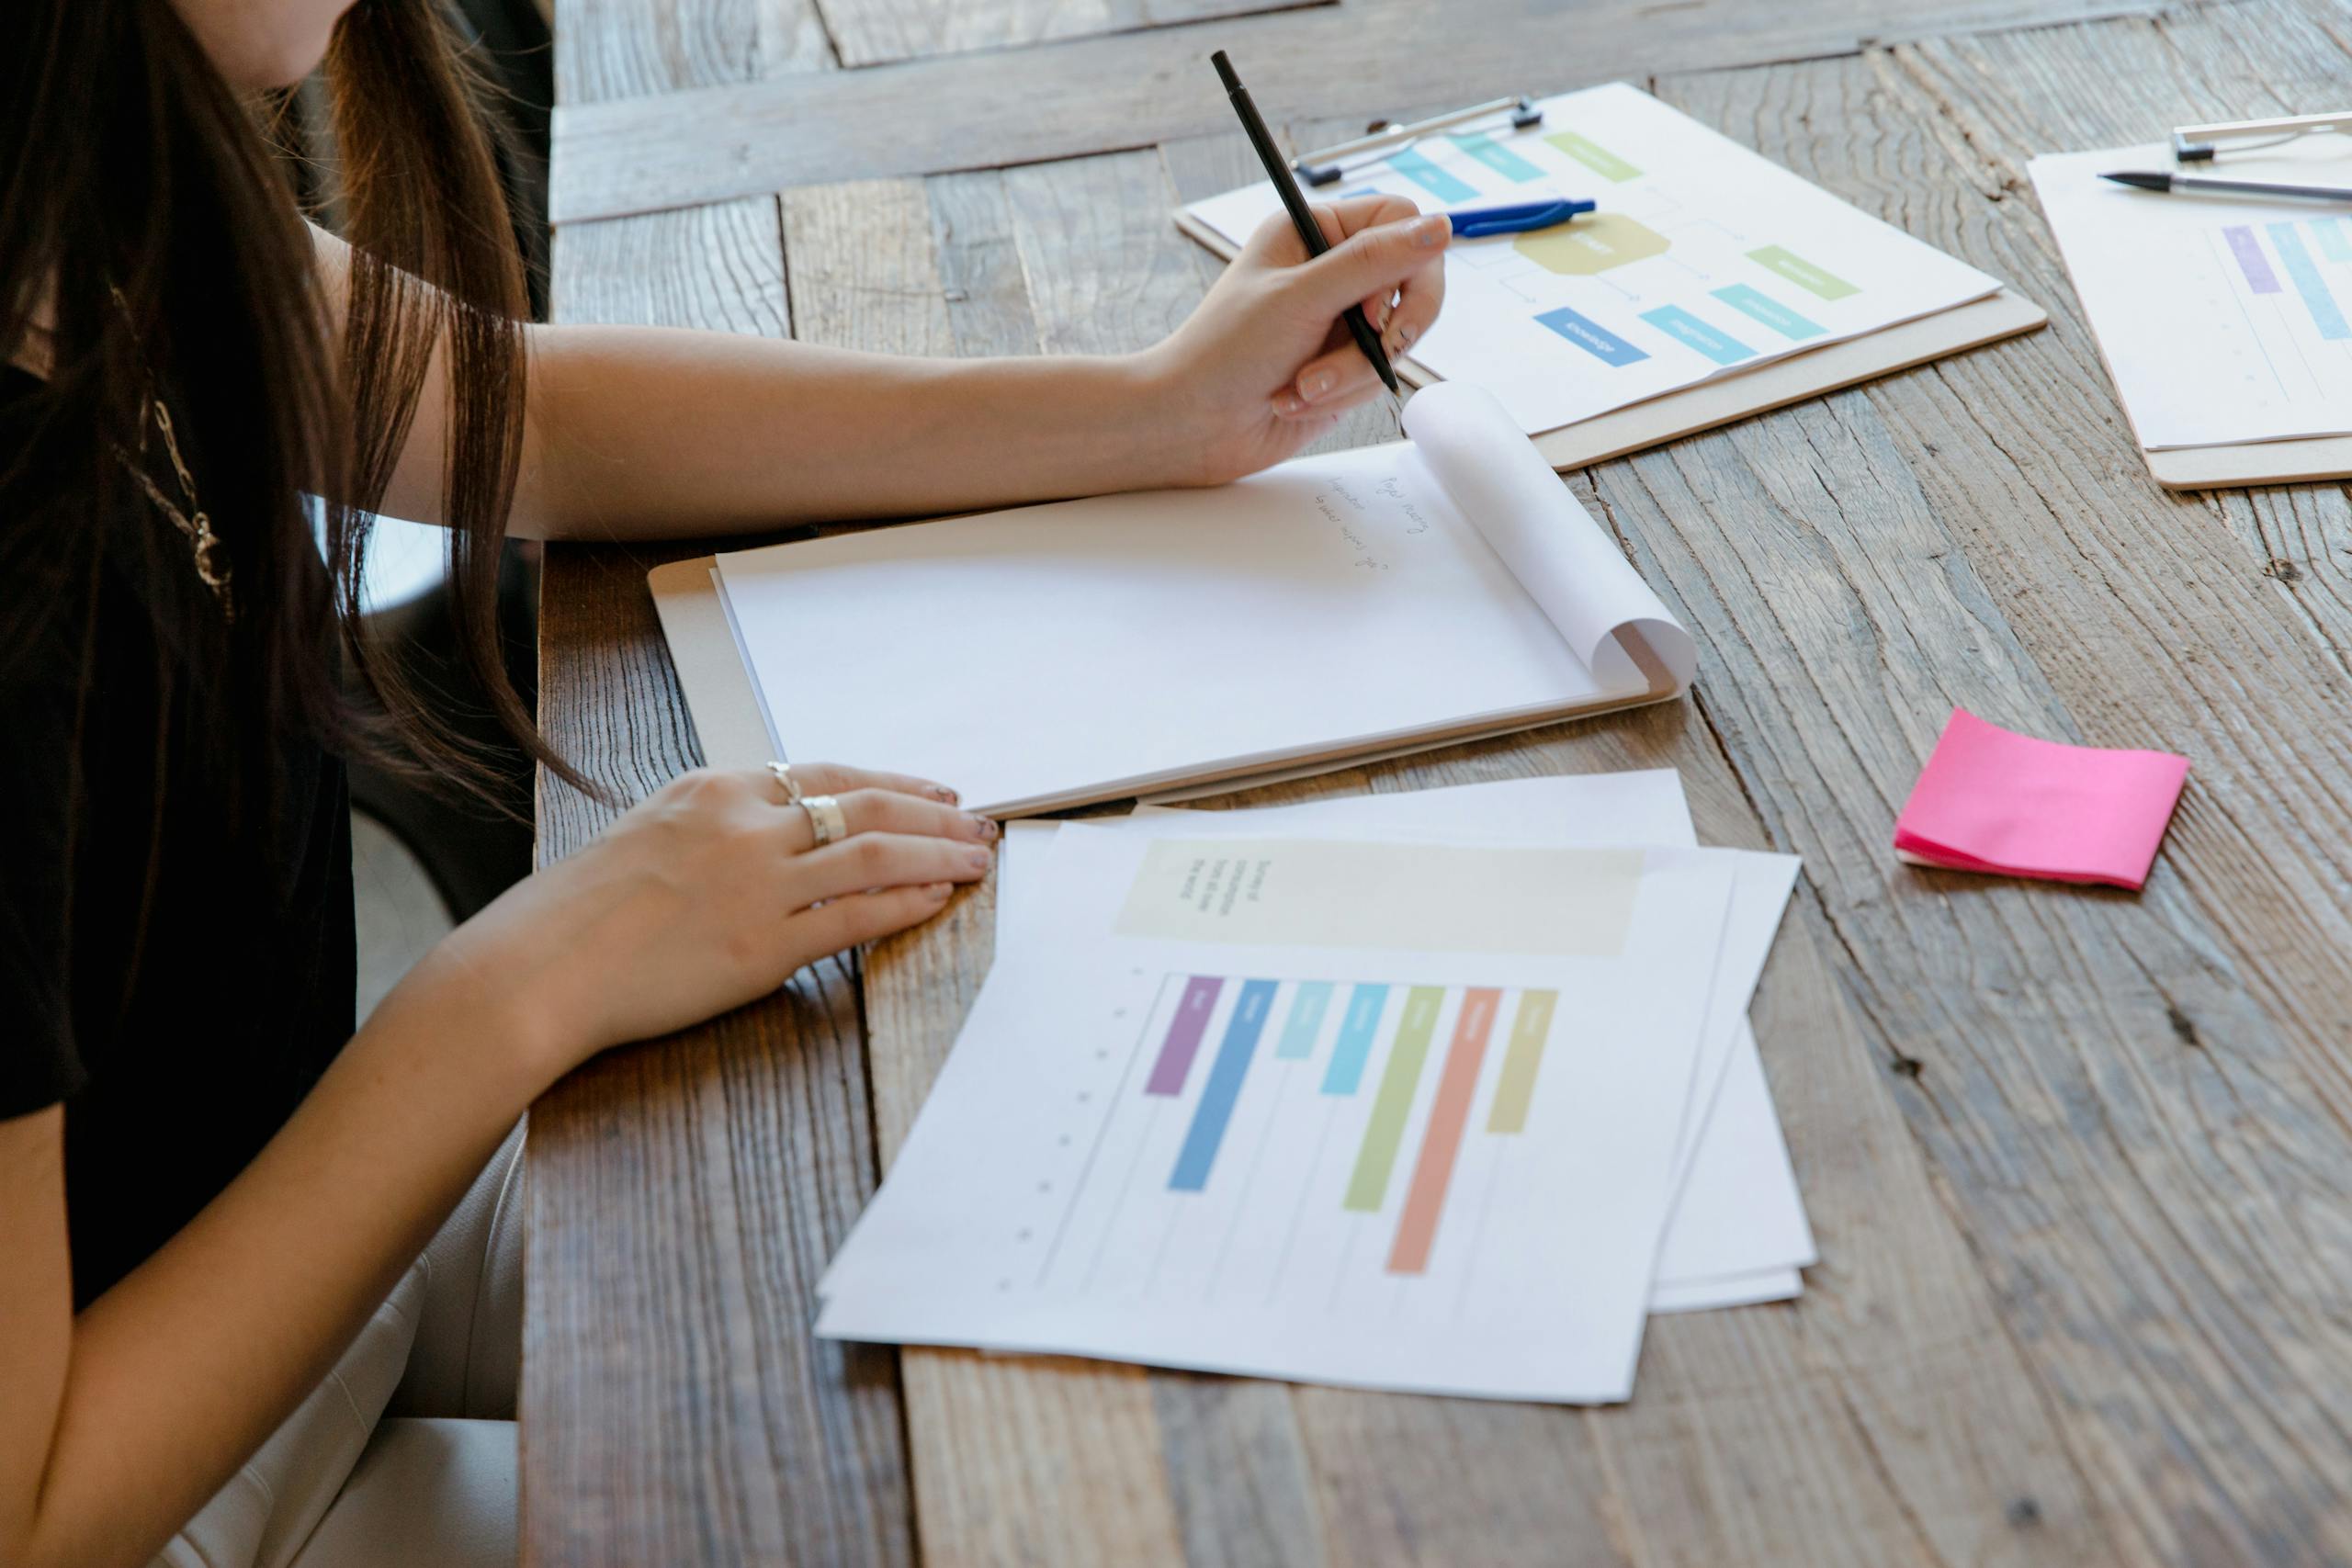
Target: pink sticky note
1991	800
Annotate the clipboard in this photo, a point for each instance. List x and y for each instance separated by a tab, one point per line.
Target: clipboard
732	725
2253	463
1727	399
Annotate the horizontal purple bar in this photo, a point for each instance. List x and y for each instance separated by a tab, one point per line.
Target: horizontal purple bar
1184	1032
2251	261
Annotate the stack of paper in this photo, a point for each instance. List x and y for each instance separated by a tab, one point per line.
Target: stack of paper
1439	1091
2222	319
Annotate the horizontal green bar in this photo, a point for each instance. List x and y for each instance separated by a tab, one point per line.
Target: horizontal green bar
1594	156
1802	272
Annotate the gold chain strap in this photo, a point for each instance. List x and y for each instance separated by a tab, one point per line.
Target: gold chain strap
211	563
211	554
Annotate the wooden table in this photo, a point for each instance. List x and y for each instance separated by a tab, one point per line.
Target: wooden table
2079	1161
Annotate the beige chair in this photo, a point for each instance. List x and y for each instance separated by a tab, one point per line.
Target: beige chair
406	1453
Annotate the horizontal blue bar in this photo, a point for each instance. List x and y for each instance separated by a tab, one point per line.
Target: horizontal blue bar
1591	336
2308	282
1685	328
1430	177
1354	1047
1499	158
1307	1007
1752	301
1217	1096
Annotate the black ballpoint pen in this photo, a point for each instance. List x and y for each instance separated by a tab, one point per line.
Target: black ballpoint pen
1310	232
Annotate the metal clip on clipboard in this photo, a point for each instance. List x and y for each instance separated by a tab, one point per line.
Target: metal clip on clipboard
1327	163
2203	143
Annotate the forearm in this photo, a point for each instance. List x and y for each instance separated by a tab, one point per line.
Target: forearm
647	431
639	432
176	1374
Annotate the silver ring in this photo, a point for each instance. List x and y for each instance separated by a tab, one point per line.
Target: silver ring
825	818
782	771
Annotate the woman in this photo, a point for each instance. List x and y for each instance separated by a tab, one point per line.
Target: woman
212	1192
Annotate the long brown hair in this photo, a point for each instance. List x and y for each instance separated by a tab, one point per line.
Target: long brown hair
148	238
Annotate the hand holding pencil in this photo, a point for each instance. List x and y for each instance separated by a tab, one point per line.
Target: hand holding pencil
1265	365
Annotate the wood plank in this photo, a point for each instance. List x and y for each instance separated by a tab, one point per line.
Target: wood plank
996	1446
611	49
685	1194
2135	1106
877	32
1133	90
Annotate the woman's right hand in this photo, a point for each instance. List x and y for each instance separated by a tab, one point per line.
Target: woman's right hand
710	892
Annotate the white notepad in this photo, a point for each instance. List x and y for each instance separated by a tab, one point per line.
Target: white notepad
1330	608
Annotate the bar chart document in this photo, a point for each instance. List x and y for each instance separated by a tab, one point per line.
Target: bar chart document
1701	260
1384	1113
2222	320
1736	1231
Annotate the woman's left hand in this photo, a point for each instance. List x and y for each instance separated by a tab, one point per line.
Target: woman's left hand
1265	365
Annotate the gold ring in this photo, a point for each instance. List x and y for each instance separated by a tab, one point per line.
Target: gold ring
825	818
782	771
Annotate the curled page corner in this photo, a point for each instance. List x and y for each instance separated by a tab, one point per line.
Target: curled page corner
1573	569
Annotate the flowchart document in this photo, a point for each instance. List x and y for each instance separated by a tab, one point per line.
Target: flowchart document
2222	319
1382	1114
1703	259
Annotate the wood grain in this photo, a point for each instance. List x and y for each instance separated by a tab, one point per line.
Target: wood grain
875	33
608	50
686	1193
2135	1144
1138	89
1034	1461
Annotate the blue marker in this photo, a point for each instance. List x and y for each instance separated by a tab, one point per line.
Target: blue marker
1478	222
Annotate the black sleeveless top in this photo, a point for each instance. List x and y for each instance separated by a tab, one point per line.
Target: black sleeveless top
177	987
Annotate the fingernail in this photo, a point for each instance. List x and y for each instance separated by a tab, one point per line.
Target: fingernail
941	792
1431	232
979	827
1315	383
938	889
1287	403
978	859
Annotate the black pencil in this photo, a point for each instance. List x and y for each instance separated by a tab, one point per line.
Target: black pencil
1310	232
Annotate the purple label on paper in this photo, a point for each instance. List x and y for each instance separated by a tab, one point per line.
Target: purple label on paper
2251	261
1184	1032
